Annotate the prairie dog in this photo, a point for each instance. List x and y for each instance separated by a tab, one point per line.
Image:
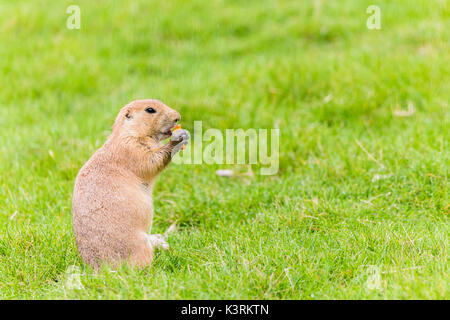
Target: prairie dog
112	206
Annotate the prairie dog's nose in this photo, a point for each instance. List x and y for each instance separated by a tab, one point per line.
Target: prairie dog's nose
177	117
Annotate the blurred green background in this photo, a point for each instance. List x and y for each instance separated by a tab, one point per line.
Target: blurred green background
359	207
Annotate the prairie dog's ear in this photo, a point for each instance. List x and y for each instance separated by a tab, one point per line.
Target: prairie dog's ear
124	114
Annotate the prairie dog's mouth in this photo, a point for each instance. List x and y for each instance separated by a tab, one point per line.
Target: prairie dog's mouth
167	133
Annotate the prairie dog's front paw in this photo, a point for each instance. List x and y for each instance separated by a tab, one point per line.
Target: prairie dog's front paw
180	138
158	241
180	135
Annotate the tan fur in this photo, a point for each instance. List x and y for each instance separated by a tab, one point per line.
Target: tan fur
112	201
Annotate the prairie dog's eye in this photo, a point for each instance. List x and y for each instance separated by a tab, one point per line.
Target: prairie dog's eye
150	110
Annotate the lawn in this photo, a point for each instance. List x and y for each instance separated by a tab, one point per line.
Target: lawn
358	208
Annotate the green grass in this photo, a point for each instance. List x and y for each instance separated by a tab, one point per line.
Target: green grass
318	229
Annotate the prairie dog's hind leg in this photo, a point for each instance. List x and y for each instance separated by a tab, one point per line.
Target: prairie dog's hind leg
157	241
142	252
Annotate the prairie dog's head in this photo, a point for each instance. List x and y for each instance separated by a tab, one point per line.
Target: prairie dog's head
146	118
